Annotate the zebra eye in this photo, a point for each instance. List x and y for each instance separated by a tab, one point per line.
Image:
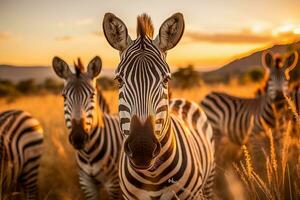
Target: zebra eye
92	95
120	81
166	79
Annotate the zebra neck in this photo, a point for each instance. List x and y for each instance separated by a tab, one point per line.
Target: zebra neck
167	136
99	115
96	135
102	102
270	111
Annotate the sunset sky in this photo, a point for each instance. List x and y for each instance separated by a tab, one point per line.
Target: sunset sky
33	31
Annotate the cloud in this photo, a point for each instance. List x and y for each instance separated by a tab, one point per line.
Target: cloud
97	33
75	23
84	22
61	24
63	38
243	37
5	35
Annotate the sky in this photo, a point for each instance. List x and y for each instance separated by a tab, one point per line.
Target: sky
32	32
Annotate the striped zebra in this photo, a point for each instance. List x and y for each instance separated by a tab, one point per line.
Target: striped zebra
231	117
21	143
94	134
166	155
101	100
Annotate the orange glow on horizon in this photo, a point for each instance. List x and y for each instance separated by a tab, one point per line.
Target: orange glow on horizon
213	36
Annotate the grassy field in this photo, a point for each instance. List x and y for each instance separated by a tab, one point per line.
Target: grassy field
58	173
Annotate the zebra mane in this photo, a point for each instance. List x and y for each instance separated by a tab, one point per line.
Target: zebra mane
102	102
79	68
144	26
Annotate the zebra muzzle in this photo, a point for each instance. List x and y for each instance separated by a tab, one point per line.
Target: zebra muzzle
142	147
78	136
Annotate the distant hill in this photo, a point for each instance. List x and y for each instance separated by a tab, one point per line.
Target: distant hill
39	73
235	68
244	64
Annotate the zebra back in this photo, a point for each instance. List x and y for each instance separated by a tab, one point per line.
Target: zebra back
233	117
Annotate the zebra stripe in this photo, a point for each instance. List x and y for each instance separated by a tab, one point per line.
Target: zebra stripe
232	117
165	155
235	118
97	161
102	102
94	134
21	138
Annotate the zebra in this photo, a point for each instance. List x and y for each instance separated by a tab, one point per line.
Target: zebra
232	117
101	100
168	151
21	148
95	135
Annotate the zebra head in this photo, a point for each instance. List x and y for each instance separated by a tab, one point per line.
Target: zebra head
79	94
143	76
278	74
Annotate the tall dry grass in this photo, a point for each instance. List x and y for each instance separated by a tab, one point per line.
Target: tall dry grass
277	174
58	172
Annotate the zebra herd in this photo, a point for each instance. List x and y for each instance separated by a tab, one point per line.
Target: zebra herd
157	147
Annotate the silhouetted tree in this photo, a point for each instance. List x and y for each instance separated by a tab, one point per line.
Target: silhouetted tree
27	86
256	75
186	77
52	85
106	83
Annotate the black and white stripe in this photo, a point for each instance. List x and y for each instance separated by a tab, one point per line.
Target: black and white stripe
94	134
235	118
102	102
166	155
21	138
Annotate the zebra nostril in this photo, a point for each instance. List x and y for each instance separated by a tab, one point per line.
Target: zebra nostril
128	149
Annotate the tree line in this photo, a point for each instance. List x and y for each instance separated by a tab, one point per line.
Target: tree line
183	78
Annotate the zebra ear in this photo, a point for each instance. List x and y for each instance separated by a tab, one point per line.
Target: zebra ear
61	68
115	32
170	32
94	67
267	59
290	63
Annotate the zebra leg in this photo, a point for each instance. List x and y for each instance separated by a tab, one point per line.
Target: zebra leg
209	186
29	181
89	186
113	189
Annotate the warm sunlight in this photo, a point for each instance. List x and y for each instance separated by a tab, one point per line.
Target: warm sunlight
149	100
32	32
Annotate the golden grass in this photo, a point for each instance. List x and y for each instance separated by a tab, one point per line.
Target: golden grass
279	177
58	172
